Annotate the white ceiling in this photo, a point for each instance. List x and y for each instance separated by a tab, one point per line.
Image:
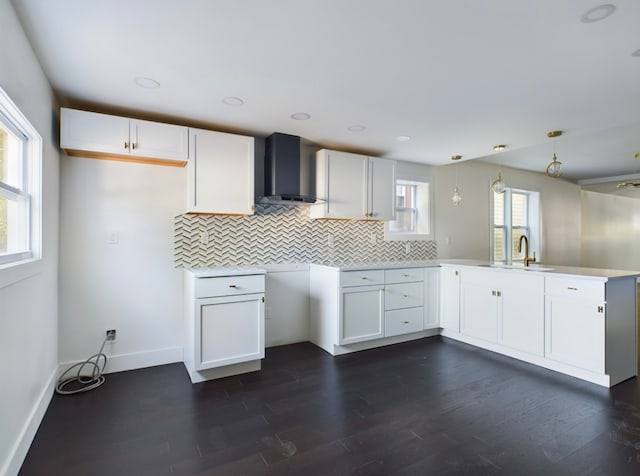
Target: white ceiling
457	76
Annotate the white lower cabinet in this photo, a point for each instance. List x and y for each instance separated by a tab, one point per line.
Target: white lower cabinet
224	324
575	323
361	314
353	310
450	298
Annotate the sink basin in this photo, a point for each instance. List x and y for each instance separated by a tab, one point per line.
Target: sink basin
516	266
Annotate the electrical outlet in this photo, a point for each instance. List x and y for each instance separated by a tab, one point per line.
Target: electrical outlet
330	241
111	336
372	238
204	237
407	248
113	238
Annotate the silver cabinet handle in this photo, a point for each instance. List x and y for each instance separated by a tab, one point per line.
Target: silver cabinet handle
233	286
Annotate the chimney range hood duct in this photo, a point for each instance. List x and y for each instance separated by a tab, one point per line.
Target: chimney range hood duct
287	171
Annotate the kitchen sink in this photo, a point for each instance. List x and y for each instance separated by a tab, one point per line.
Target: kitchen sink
516	266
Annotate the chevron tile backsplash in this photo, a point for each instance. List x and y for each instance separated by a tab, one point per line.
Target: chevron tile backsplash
285	234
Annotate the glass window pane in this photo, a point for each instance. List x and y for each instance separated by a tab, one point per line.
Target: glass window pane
499	250
498	209
13	226
405	222
519	209
10	158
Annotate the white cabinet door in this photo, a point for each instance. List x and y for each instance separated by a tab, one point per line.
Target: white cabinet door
479	307
361	314
220	173
354	186
230	330
158	140
94	132
341	182
521	313
381	191
575	332
431	297
450	292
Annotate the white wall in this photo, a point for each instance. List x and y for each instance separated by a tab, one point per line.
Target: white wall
464	231
610	231
28	308
130	286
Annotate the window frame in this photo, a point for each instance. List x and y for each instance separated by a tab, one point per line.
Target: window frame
532	227
390	235
18	265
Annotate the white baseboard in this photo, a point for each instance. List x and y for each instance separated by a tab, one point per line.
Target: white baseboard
136	360
19	451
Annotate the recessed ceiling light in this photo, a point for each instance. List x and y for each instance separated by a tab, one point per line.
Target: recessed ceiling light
147	83
300	116
403	138
636	53
499	147
232	101
456	157
598	13
356	128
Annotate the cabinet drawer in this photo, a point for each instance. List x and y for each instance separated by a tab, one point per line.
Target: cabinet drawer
403	275
585	289
399	296
403	321
229	285
361	278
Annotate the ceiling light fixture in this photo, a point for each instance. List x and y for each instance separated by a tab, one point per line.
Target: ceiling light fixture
630	184
146	83
498	185
403	138
356	128
598	13
554	169
456	157
232	101
300	116
498	147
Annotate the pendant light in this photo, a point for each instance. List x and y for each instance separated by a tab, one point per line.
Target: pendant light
498	185
554	169
456	198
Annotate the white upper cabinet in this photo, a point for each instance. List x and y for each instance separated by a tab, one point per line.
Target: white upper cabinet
354	186
91	134
220	173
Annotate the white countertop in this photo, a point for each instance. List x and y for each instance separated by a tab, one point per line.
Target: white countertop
225	271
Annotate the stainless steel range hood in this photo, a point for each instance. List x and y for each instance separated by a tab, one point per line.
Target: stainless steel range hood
288	170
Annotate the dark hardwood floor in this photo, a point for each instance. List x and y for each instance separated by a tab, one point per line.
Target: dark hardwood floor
428	407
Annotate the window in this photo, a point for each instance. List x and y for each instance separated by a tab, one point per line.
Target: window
413	212
20	161
515	213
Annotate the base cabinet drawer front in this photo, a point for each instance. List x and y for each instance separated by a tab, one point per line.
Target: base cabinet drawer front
403	275
577	288
575	333
403	321
369	277
230	330
229	286
361	314
399	296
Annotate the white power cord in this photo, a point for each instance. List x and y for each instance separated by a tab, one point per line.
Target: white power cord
84	383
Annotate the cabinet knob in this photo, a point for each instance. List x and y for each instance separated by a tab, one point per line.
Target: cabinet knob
457	273
126	145
405	275
601	309
405	295
364	277
133	146
405	322
233	286
493	292
572	288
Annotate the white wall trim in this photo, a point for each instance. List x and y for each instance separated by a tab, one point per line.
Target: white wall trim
19	451
135	360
